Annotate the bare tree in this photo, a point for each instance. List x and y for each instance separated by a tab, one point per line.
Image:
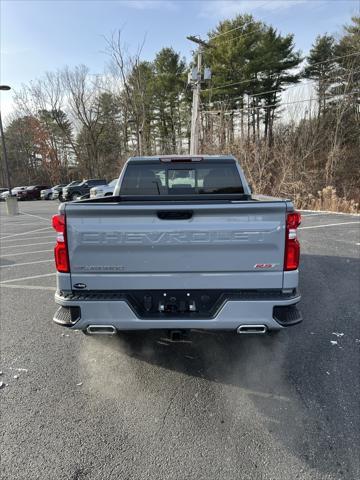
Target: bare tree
132	88
45	99
83	101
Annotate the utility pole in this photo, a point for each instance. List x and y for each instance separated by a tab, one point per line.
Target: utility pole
196	79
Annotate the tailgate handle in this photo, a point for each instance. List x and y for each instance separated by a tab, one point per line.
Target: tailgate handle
175	214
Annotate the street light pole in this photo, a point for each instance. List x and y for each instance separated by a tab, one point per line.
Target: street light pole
6	164
11	202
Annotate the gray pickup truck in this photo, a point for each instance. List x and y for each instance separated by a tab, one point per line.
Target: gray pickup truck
182	244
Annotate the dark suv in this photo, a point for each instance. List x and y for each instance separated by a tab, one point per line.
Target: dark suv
75	192
31	193
71	184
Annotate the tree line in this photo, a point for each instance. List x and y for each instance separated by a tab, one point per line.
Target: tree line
72	124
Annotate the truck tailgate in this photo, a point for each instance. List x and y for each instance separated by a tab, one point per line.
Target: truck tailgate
238	245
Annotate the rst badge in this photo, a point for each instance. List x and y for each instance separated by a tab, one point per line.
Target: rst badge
265	266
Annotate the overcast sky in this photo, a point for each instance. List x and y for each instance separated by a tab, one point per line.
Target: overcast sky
44	35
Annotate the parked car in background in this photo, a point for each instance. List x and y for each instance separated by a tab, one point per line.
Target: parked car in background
103	190
32	192
71	184
51	193
75	192
57	190
2	190
14	191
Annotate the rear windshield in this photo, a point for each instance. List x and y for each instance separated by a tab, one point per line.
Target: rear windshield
176	178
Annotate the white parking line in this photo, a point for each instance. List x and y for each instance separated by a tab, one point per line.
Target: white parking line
27	263
27	245
29	287
330	225
26	233
28	278
13	224
31	238
25	253
328	212
37	216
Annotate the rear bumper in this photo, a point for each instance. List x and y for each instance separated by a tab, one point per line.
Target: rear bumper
274	314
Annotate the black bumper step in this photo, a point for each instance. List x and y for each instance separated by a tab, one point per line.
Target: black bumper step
67	316
287	315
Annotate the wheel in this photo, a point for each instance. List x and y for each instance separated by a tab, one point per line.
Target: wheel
75	196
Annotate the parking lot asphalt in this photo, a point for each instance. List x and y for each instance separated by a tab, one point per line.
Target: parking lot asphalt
216	406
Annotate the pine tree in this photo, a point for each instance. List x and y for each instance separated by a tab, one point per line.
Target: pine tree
168	92
322	67
277	61
249	58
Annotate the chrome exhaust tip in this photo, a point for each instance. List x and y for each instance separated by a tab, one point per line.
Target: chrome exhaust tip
259	329
101	330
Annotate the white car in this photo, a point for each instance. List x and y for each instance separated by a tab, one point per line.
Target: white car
103	190
51	193
46	194
4	195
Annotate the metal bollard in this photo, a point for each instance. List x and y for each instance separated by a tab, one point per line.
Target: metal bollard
12	205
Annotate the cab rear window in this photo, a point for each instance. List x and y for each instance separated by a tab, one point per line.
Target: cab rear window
181	179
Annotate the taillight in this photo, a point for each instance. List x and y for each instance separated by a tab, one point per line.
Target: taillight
60	250
292	245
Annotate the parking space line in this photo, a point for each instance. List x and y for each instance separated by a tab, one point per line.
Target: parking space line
27	245
31	238
37	216
16	224
312	215
29	287
26	233
28	278
330	225
25	253
328	212
26	263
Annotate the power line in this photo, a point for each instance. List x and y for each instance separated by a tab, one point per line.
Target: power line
226	85
297	85
335	58
278	104
263	71
234	38
264	93
259	107
226	33
282	89
312	65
